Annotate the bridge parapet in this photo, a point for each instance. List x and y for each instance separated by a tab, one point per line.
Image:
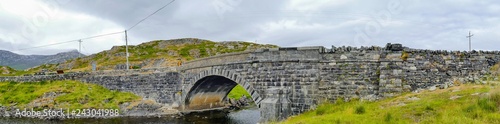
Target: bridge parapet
215	60
288	54
259	55
134	71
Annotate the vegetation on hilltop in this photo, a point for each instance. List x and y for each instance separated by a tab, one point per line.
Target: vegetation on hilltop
8	71
154	54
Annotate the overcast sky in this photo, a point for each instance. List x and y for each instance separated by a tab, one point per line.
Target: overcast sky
442	24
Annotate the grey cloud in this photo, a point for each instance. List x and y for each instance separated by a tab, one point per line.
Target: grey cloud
421	24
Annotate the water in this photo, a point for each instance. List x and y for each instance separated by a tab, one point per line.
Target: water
246	116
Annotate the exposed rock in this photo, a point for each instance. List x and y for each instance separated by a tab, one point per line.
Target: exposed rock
432	88
370	97
455	97
237	104
195	53
401	104
172	53
413	98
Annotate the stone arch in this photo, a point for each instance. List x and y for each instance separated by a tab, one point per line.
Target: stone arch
203	87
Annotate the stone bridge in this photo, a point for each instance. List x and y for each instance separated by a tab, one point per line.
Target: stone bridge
289	81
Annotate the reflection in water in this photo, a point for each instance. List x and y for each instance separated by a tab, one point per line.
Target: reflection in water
246	116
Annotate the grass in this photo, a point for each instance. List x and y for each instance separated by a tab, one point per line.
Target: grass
75	95
473	106
237	92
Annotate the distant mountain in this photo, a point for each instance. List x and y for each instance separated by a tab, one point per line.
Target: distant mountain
22	62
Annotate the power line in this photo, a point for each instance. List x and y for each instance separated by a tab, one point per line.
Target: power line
48	45
126	37
85	38
150	15
91	37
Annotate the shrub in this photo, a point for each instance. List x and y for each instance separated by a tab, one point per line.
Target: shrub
486	104
470	109
388	117
495	96
429	108
320	111
404	56
136	67
360	109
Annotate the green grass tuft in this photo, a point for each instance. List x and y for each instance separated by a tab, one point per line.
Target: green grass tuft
388	117
360	109
237	92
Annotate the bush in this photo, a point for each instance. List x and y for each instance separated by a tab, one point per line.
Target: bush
360	109
404	56
320	111
136	67
495	96
429	108
486	105
470	109
388	117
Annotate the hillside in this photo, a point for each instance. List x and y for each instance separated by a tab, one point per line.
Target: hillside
468	104
5	70
153	54
22	62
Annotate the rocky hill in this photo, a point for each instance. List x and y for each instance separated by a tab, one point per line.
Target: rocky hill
22	62
154	54
5	70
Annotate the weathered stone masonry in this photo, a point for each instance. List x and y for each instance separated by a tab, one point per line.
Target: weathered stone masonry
160	85
303	76
314	74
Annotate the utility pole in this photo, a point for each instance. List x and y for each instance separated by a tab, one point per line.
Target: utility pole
126	48
80	48
470	36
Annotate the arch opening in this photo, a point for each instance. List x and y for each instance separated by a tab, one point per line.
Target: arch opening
209	92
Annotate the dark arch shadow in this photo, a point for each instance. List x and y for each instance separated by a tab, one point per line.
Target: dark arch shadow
209	92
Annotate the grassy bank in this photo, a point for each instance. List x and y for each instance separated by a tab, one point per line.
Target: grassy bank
460	104
237	92
69	94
